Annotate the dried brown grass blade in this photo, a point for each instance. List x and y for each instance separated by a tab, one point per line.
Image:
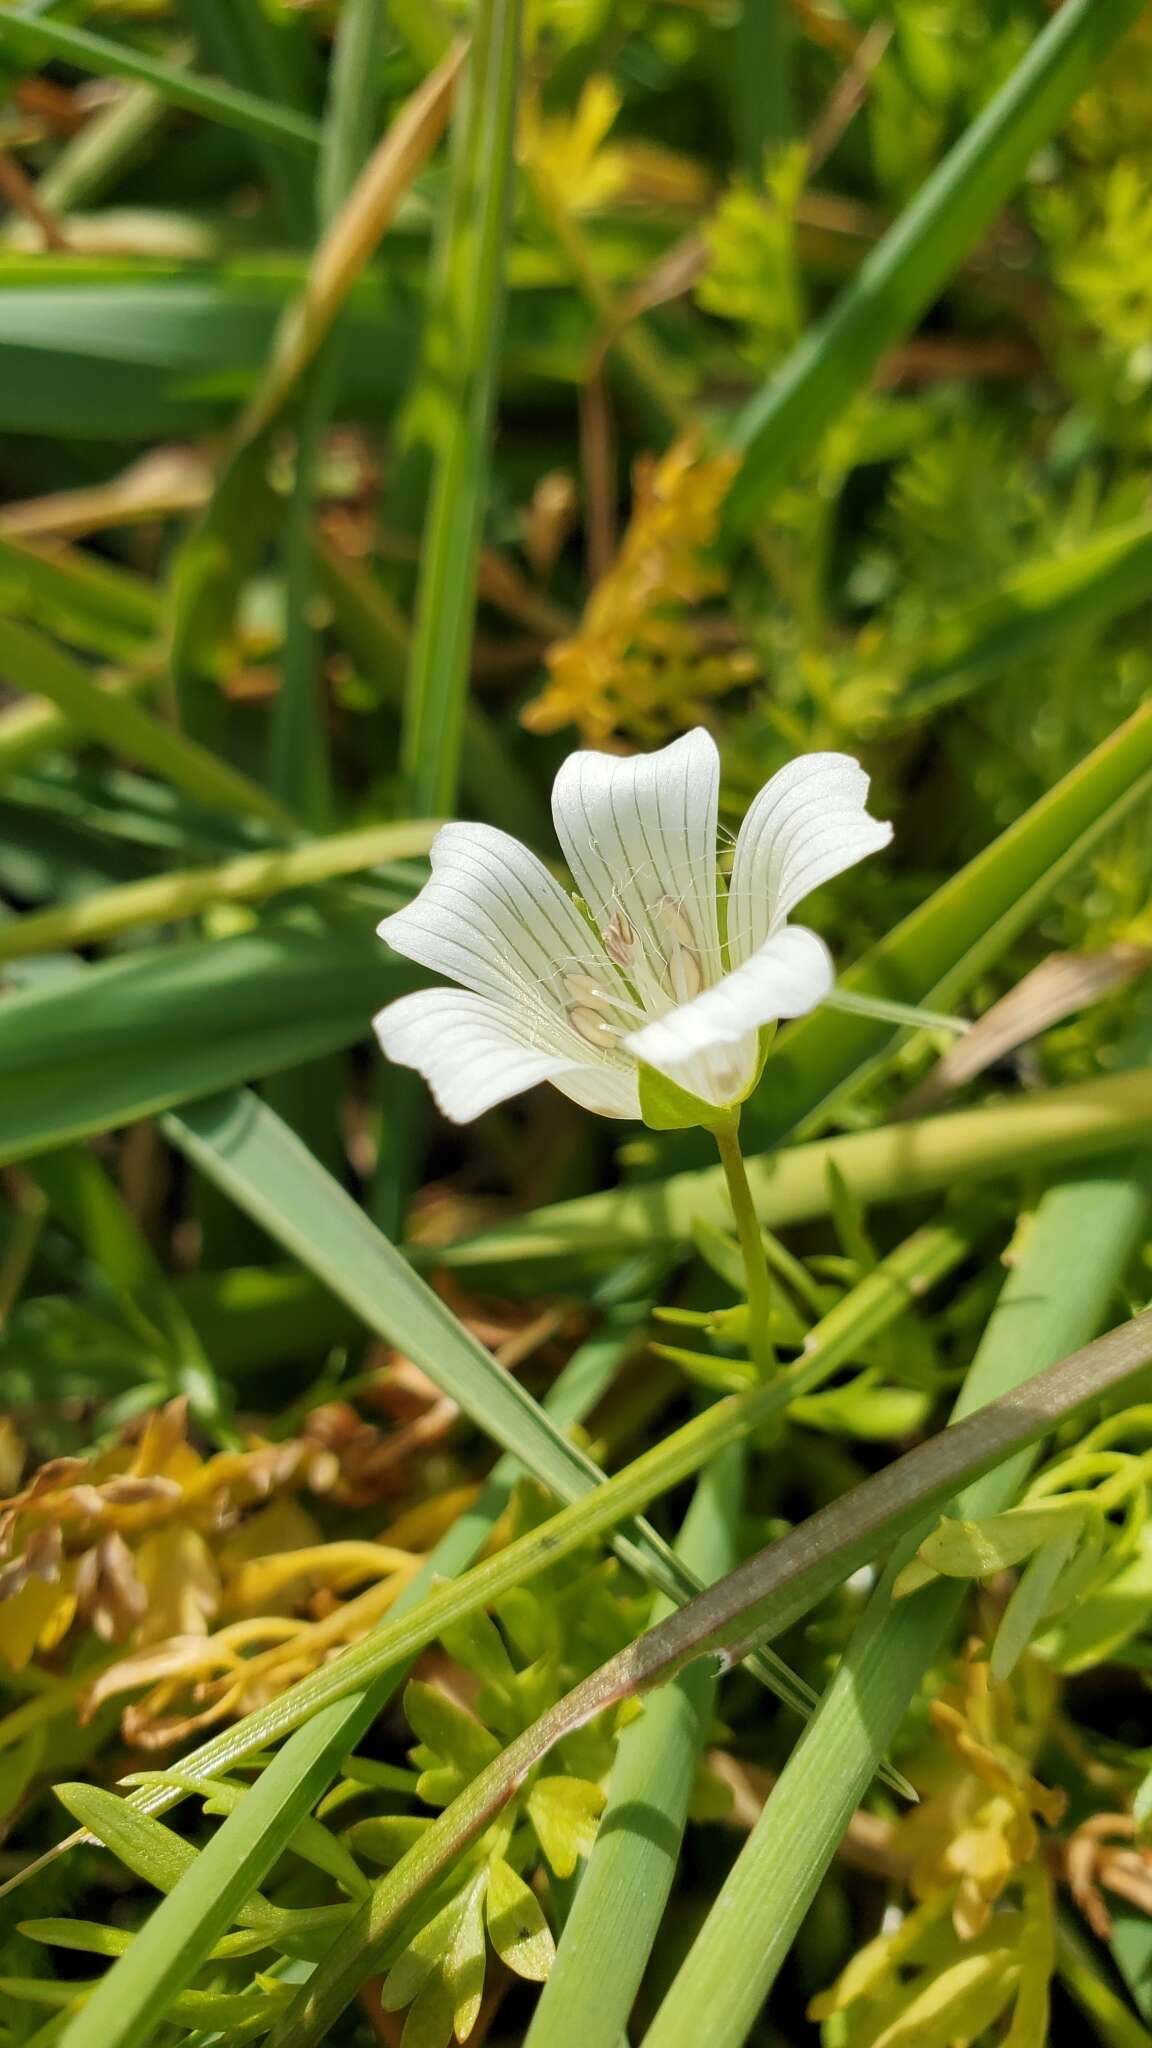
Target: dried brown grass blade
1058	988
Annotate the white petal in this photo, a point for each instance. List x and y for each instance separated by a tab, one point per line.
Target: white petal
492	918
640	838
790	974
474	1053
807	824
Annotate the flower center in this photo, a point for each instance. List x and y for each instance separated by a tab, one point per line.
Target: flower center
662	966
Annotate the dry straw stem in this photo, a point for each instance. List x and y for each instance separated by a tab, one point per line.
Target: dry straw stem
1061	986
351	240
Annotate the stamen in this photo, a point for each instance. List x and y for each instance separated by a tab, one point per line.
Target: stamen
619	939
597	1013
592	1027
684	969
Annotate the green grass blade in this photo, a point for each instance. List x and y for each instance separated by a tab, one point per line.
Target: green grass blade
41	41
254	52
757	57
464	343
1056	1296
91	1051
92	160
373	628
299	769
31	663
98	606
353	101
36	726
227	542
908	268
609	1933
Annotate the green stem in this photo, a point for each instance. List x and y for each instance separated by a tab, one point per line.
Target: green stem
759	1281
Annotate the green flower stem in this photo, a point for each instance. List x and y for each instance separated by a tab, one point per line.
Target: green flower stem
767	1594
757	1276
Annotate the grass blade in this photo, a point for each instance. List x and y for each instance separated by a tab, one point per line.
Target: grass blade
31	663
608	1935
907	269
250	878
464	343
56	42
90	1051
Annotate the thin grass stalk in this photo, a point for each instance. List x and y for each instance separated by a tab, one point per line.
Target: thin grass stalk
465	334
32	663
758	65
299	767
1057	1293
93	159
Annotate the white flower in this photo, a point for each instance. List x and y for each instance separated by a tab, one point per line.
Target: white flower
641	970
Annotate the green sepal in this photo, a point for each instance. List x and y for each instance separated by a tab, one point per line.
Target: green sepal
666	1107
